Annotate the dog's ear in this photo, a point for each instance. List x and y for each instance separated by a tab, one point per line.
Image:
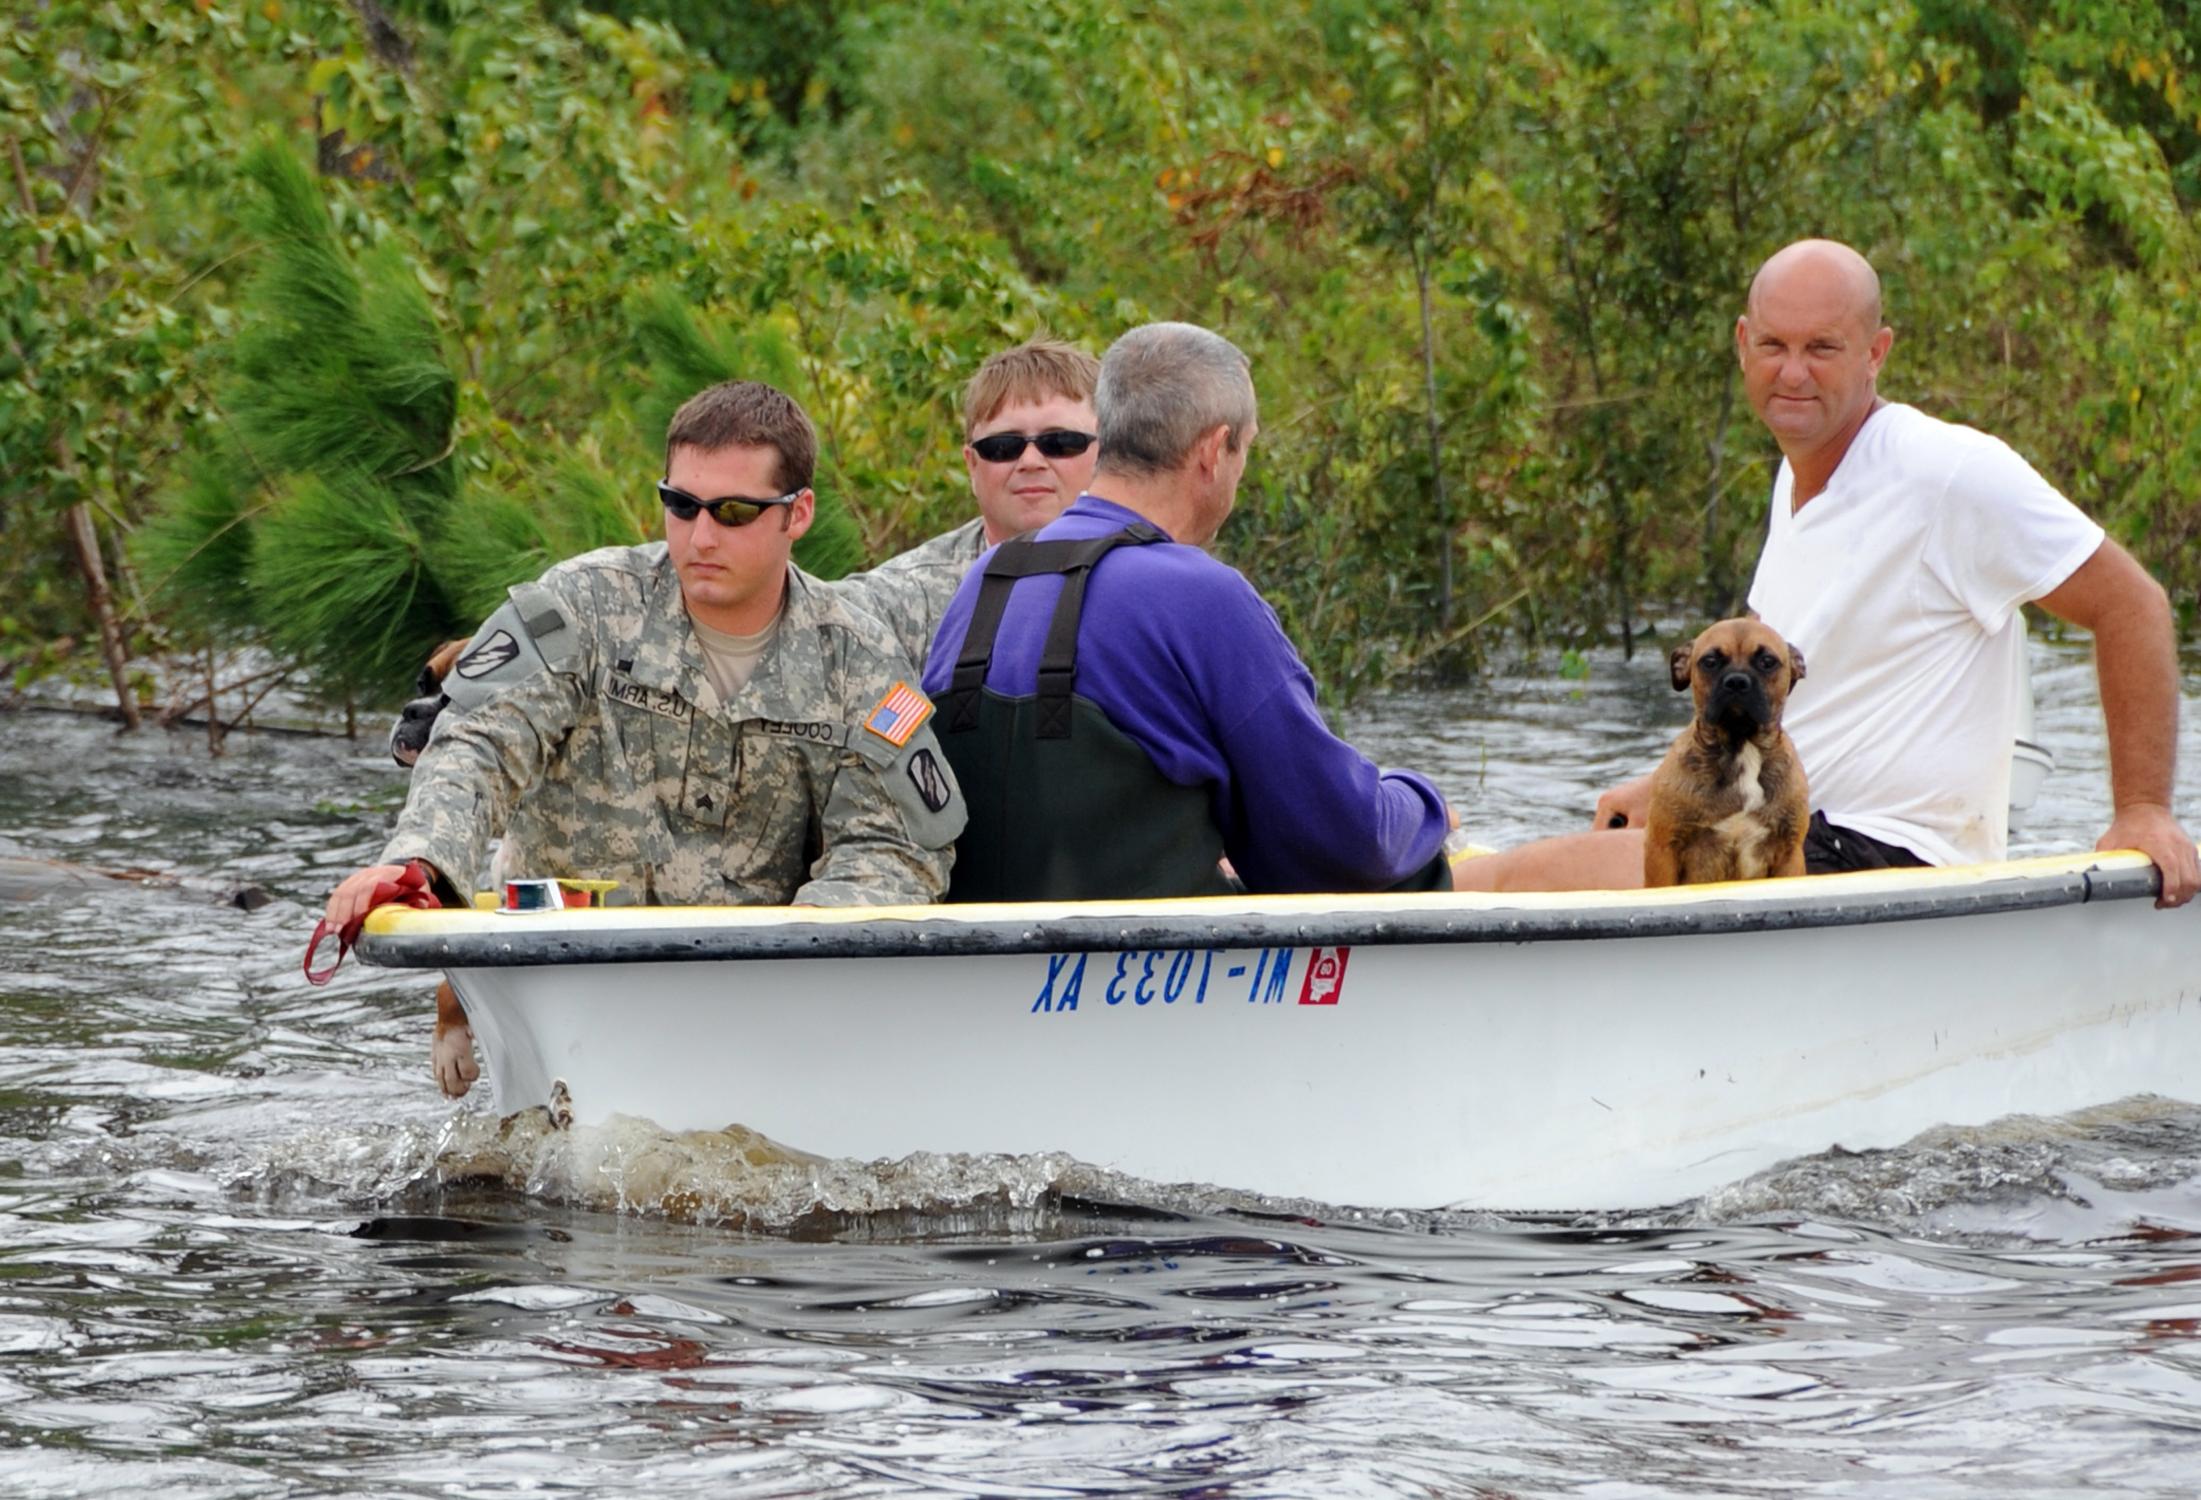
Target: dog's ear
439	665
1678	664
1795	665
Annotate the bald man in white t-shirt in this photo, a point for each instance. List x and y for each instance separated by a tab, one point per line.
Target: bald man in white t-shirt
1899	554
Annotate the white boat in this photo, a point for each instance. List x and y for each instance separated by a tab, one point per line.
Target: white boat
1538	1053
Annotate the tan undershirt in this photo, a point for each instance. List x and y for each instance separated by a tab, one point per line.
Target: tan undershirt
731	660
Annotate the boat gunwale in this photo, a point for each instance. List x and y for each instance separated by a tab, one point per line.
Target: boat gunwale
398	938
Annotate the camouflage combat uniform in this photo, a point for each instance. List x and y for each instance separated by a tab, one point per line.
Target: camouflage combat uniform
608	754
911	590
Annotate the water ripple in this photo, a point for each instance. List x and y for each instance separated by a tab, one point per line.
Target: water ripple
245	1250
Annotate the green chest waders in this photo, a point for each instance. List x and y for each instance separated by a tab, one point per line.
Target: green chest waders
1064	806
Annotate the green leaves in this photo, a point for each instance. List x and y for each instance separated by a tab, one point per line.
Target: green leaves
341	583
338	365
196	551
2083	164
427	337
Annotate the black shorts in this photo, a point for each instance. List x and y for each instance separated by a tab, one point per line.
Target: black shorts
1830	849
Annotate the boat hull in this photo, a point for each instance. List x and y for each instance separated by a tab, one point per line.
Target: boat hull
1536	1054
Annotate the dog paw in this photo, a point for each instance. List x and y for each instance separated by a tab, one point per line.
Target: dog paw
451	1059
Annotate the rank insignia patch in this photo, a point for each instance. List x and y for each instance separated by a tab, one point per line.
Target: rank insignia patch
899	715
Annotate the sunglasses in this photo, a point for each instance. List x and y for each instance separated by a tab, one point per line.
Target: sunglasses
731	511
1055	442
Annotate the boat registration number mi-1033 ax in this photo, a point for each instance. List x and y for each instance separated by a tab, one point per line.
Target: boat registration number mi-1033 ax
1163	977
1595	1050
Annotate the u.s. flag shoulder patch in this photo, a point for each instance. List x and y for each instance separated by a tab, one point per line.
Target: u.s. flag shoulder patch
899	715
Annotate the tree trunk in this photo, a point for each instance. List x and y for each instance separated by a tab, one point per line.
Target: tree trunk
1436	443
1719	588
1619	572
30	199
86	538
213	706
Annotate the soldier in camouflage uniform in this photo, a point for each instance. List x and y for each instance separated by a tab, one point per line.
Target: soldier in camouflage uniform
639	773
1029	447
695	718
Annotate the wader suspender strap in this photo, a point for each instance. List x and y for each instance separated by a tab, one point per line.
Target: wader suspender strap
1020	557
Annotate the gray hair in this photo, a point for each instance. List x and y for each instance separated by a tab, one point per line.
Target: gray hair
1163	385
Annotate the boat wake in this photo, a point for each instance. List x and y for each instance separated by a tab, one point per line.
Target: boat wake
741	1178
2124	1170
736	1176
2107	1173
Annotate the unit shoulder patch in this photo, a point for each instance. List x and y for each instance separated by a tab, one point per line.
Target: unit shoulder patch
496	650
934	788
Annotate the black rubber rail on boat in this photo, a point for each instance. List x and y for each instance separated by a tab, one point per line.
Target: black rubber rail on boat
509	944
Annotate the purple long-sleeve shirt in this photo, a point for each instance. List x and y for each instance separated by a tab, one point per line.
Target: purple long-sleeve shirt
1187	660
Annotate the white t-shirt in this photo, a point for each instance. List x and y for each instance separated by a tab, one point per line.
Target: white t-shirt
1901	583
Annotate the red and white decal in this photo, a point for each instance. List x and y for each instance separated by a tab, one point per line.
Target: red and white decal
1325	980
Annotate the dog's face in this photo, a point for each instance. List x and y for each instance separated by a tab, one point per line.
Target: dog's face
409	736
1741	672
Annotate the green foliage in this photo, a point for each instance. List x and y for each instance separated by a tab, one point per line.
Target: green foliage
1485	261
197	550
767	66
103	312
684	358
338	568
490	541
304	521
336	365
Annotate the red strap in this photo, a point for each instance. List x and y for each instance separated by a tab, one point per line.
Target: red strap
409	889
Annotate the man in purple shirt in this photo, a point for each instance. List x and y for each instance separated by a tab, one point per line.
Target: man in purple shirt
1122	710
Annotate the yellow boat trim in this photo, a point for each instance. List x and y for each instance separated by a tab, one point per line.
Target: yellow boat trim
394	920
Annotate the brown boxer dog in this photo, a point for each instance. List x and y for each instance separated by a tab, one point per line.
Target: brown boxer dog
1729	801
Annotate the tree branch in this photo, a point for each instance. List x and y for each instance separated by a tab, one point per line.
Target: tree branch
30	203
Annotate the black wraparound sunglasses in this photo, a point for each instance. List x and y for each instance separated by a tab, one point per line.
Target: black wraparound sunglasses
734	510
1055	442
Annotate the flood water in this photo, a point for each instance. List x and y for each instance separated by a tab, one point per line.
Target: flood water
246	1249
